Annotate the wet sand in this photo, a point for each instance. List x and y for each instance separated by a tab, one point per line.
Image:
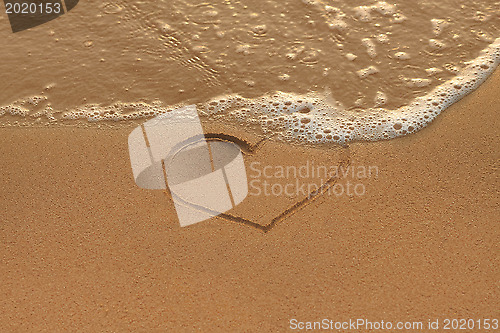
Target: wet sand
82	248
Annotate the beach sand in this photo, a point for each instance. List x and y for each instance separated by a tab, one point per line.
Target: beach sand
83	249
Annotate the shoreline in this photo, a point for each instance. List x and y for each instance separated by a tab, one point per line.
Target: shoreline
83	248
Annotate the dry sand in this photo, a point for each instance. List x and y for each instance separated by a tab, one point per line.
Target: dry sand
82	248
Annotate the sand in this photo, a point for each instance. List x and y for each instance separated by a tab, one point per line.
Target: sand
84	249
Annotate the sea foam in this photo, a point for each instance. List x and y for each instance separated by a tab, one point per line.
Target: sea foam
312	118
316	118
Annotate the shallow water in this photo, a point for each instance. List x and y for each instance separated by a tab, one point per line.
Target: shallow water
341	64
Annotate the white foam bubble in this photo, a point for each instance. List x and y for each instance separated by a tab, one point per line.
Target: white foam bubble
350	56
433	71
370	47
436	44
417	82
380	98
438	25
365	72
364	13
382	38
402	55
